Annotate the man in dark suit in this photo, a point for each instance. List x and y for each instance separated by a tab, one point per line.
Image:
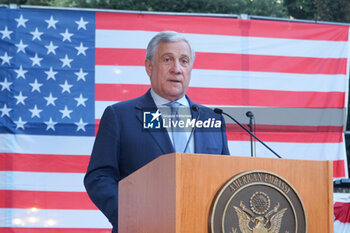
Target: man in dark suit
123	144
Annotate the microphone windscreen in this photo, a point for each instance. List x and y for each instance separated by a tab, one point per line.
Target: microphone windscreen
218	111
195	108
249	114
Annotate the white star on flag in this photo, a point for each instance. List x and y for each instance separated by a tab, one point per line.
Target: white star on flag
36	60
36	34
35	111
5	85
66	87
21	21
20	124
66	61
6	33
51	22
20	98
81	49
51	74
81	23
21	72
66	35
50	100
81	100
36	86
50	124
5	111
81	74
66	112
81	125
21	47
5	59
51	48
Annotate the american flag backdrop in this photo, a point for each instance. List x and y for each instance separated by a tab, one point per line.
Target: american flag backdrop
59	70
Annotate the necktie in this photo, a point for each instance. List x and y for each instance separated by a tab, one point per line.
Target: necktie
178	133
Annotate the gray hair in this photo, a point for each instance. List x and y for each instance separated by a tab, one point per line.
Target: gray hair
166	36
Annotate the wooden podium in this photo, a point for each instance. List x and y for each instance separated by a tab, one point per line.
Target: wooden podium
174	193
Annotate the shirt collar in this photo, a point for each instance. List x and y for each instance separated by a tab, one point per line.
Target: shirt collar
159	101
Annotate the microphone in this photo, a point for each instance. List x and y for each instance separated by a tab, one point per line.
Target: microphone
251	116
220	111
195	108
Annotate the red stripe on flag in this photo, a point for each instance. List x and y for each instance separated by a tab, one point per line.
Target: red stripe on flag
282	133
240	62
295	128
45	200
342	212
43	163
125	57
97	125
119	92
260	128
228	96
221	25
264	63
52	230
338	168
267	98
288	137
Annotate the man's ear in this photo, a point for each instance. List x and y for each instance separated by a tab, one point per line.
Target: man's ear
148	66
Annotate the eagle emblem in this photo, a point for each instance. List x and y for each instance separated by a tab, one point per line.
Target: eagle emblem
255	220
257	202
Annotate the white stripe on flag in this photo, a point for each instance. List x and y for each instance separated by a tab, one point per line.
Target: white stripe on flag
229	44
42	181
37	144
229	79
305	151
340	227
52	218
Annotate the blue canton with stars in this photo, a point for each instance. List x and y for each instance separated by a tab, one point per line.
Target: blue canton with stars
47	61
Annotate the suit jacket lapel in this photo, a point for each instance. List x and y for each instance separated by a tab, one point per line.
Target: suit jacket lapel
160	136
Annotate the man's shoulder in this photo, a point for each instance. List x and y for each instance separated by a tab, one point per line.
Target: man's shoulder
204	110
132	103
126	103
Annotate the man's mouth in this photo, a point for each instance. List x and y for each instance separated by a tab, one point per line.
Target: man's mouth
175	80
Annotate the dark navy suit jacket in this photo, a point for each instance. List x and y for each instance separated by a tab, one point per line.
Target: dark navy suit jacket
123	146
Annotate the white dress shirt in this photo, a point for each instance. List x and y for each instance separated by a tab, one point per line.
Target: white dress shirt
161	104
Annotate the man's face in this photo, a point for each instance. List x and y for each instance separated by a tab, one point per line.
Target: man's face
171	69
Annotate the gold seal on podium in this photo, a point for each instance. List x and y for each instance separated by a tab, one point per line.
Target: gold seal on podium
257	202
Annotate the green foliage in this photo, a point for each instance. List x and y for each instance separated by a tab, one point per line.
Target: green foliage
318	10
300	9
267	8
64	3
260	7
18	2
255	7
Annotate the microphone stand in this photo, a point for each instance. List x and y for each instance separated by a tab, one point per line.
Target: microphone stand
220	111
196	109
250	125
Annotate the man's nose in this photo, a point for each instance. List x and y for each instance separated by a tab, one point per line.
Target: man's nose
176	68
